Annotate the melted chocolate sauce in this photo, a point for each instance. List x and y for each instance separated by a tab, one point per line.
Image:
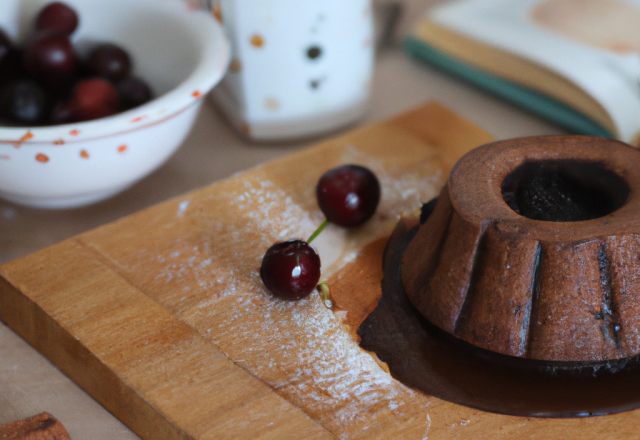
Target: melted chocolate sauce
564	190
434	362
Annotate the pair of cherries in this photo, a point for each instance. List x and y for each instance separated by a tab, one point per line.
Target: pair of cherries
348	196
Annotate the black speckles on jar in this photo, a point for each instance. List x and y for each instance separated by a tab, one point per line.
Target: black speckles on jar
315	84
314	52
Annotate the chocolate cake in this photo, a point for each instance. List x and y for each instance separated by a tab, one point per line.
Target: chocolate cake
533	250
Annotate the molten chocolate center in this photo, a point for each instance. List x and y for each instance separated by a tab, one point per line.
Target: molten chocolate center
564	190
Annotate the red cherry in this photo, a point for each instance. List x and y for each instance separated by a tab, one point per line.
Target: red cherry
50	59
133	92
109	61
291	269
57	17
94	98
23	101
348	195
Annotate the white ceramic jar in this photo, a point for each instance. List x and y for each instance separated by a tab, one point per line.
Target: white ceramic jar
299	67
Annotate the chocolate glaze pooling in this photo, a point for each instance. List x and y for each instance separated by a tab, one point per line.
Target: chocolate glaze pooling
432	361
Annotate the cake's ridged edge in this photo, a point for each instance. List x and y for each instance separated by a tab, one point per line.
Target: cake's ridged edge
569	323
624	269
421	257
503	283
603	275
483	268
427	264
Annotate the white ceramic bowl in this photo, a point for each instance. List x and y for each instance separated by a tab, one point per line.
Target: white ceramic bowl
179	50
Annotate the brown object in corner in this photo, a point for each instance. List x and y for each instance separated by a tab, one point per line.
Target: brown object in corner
547	290
39	427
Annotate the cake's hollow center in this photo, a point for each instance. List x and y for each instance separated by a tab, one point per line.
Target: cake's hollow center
564	190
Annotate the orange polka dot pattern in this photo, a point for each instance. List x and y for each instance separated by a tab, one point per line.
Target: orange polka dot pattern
257	41
272	103
217	13
28	135
235	65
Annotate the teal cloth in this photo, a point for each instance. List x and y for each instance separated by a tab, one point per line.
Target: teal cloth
536	102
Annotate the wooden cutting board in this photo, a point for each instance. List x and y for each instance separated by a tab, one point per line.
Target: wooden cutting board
161	316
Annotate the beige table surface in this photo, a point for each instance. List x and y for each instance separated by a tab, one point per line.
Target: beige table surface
30	384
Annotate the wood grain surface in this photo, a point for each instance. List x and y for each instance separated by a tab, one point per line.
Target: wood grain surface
162	318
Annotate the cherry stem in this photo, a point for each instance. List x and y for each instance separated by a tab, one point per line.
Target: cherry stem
325	294
318	231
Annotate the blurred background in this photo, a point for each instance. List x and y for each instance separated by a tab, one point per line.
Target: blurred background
214	149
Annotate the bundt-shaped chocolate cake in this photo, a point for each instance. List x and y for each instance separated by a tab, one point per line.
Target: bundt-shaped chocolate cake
533	250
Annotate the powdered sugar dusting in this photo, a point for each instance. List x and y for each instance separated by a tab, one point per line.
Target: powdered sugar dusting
403	189
426	434
206	273
273	212
182	208
304	352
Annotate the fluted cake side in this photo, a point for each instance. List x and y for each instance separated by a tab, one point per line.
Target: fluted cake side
547	290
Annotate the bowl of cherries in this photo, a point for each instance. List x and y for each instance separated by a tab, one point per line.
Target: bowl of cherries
95	95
